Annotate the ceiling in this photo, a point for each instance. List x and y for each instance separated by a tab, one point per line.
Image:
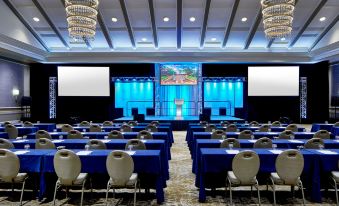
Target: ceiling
141	34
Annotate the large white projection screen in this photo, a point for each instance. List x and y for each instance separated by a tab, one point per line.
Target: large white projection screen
83	81
273	81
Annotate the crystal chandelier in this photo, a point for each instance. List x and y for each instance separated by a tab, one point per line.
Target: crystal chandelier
277	17
82	19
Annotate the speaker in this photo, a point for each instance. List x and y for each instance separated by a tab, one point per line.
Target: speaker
139	117
240	112
222	111
118	112
134	111
150	111
207	111
203	117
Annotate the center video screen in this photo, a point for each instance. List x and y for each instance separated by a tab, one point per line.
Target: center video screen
179	74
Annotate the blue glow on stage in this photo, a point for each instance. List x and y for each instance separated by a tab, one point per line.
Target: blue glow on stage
185	118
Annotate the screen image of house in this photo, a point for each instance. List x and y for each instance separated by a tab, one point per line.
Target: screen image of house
175	74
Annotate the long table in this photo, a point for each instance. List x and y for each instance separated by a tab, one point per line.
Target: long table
50	127
321	126
23	130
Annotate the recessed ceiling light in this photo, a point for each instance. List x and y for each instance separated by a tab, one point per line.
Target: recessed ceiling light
144	39
322	18
244	19
283	39
166	19
36	19
192	19
213	39
114	19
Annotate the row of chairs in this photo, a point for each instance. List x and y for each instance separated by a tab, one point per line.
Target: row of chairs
252	123
110	123
234	128
98	128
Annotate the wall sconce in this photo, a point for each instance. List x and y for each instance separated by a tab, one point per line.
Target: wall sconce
15	93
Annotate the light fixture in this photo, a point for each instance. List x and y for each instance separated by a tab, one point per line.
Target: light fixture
322	18
192	19
15	92
114	19
213	39
144	39
277	17
283	39
244	19
36	19
82	19
166	19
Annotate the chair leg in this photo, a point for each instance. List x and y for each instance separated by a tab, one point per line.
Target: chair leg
22	191
82	192
135	194
336	190
230	188
55	190
257	186
107	190
273	188
302	191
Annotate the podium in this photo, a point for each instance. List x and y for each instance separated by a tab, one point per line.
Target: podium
178	103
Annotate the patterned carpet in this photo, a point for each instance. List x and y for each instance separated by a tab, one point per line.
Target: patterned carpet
180	190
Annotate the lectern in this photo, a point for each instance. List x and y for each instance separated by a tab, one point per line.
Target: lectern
179	103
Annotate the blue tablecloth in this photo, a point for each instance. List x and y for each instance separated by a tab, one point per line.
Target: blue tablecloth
41	126
4	135
335	131
23	130
321	126
144	124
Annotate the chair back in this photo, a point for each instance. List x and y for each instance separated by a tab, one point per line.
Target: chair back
203	123
42	134
314	143
107	123
245	166
292	127
66	128
228	141
6	144
12	131
126	128
151	128
264	128
336	124
225	124
44	143
145	134
210	128
96	144
132	123
74	134
6	123
85	124
28	124
254	124
263	142
120	167
246	134
322	134
155	123
287	134
67	166
276	124
231	128
289	165
137	144
10	165
95	128
219	134
115	134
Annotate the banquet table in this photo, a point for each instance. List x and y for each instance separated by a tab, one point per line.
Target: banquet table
50	127
23	130
335	131
321	126
3	135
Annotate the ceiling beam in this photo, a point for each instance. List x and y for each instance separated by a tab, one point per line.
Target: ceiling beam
253	29
26	24
204	25
307	23
154	27
128	24
230	22
328	28
179	23
104	30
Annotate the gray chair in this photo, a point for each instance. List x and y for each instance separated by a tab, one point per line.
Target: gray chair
292	127
219	134
136	144
210	128
203	123
66	128
6	144
246	134
120	167
335	179
264	128
94	128
263	142
287	134
74	134
155	123
143	134
67	166
289	166
322	134
314	143
126	128
254	124
151	128
336	124
232	128
12	131
226	143
107	123
132	123
85	124
28	124
224	124
9	170
42	134
44	143
96	144
245	167
276	124
115	134
7	122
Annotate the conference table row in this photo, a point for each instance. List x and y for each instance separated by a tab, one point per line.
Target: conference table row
147	163
213	164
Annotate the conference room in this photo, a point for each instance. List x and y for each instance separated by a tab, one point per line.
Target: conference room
169	102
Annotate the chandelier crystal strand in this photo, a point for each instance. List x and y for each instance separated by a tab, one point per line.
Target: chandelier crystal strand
82	19
277	17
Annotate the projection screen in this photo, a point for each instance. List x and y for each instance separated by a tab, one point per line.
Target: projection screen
83	81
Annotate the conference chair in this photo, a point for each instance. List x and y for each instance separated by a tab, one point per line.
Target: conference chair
66	128
143	134
120	167
276	124
264	128
28	124
287	134
245	167
322	134
12	131
289	166
254	124
218	134
126	128
42	134
246	134
210	128
107	123
115	134
225	124
151	128
7	122
44	143
336	124
9	170
292	127
67	167
132	123
335	179
231	128
226	143
6	144
96	144
94	128
203	123
135	144
263	142
155	123
314	143
85	124
74	134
